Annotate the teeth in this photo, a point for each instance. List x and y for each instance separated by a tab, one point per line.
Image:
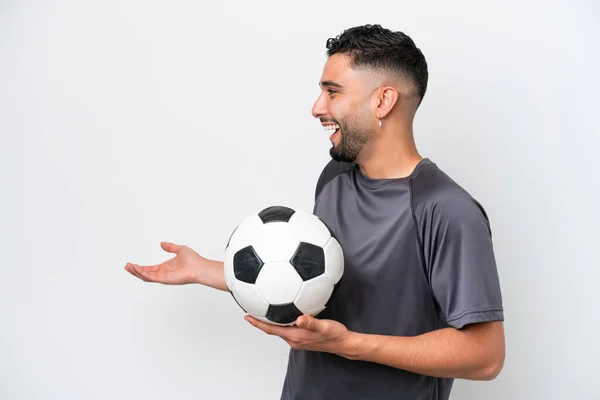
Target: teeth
331	128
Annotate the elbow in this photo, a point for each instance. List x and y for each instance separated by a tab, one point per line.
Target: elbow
490	370
492	351
490	373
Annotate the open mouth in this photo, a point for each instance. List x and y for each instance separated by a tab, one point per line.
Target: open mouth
332	129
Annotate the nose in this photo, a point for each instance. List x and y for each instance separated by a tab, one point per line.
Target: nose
319	109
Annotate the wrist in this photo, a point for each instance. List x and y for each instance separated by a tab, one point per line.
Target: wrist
354	345
218	275
208	272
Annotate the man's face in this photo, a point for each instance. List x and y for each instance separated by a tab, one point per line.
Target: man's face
345	103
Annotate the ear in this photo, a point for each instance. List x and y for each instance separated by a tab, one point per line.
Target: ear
385	100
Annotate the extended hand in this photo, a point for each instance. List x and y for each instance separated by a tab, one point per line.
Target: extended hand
186	267
179	270
310	334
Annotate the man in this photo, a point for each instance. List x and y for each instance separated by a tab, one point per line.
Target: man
420	302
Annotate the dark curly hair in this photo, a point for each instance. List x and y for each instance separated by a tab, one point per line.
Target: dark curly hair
375	47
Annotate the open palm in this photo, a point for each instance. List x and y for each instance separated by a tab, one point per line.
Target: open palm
181	269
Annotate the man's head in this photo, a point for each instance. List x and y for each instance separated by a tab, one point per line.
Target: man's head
371	74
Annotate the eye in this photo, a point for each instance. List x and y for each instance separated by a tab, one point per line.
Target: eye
331	91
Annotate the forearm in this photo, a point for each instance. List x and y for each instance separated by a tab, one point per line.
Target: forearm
446	353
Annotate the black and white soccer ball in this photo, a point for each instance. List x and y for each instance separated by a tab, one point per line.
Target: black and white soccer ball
281	263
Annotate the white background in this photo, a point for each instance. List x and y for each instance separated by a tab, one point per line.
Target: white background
124	123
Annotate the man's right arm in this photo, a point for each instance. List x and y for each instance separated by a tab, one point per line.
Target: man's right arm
214	276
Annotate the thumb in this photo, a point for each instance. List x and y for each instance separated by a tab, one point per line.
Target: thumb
308	322
170	247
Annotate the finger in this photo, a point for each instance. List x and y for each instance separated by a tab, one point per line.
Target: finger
305	322
270	329
146	274
170	247
129	268
135	271
308	322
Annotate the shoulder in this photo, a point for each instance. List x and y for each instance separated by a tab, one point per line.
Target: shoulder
331	170
437	196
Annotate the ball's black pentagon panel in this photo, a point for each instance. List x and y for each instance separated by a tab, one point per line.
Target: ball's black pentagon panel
309	261
276	214
247	264
238	303
283	314
328	228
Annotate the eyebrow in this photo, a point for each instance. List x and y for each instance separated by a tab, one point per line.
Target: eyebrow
331	84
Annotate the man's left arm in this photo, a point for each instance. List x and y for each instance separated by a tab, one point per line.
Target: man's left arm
475	352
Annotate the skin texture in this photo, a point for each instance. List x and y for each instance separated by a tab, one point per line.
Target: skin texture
357	99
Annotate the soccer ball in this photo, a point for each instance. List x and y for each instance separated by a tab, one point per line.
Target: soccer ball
281	263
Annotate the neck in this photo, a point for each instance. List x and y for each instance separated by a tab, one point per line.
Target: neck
391	154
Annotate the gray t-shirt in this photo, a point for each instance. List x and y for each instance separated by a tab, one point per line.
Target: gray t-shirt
418	257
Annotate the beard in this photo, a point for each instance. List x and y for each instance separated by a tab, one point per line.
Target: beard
352	141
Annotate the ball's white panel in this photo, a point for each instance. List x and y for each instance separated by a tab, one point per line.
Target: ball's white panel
309	228
334	260
245	233
275	242
314	294
315	311
279	283
250	299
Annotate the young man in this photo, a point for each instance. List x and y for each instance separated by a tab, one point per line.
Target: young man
420	301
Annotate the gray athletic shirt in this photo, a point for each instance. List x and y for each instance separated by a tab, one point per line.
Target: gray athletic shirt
418	257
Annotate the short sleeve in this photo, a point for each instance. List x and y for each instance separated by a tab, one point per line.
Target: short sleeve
461	262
